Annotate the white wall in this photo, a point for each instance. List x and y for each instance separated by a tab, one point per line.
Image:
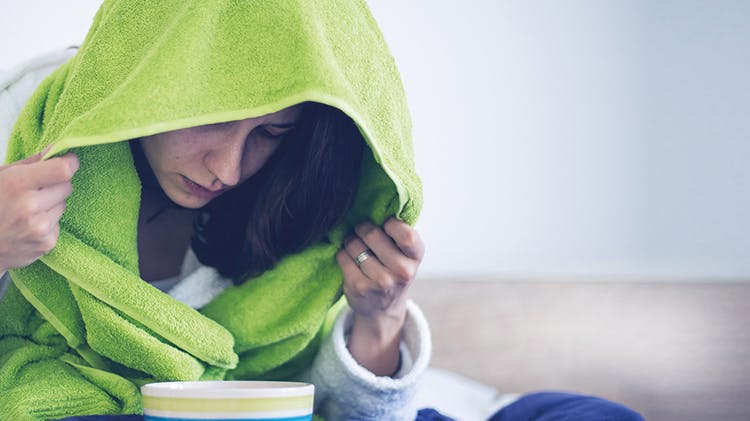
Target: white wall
32	27
584	137
555	139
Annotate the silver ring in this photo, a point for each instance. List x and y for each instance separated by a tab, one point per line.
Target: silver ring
361	257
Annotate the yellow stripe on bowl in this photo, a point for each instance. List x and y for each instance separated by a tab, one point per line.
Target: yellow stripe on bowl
227	405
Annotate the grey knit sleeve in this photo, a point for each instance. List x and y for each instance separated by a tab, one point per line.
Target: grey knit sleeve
344	390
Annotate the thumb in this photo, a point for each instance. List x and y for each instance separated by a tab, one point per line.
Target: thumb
30	159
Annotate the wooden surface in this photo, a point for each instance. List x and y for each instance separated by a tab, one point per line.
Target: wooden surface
672	351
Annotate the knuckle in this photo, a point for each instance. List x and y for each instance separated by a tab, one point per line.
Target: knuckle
58	169
347	290
48	243
357	291
38	230
370	235
355	246
59	212
68	189
73	162
384	281
421	253
392	224
64	170
409	237
340	256
403	272
363	226
365	230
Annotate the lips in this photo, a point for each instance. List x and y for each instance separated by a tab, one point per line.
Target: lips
199	190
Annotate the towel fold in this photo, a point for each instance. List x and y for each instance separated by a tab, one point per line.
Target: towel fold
79	328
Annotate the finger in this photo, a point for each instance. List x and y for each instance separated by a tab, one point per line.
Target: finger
31	159
407	238
400	265
56	212
371	267
357	286
354	279
27	160
348	266
53	171
50	197
50	240
46	150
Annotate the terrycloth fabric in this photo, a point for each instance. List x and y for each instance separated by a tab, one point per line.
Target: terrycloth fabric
79	329
335	369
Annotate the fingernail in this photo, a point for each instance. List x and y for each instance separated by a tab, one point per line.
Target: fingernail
366	227
45	150
76	164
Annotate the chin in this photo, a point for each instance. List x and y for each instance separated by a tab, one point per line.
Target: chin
194	205
187	200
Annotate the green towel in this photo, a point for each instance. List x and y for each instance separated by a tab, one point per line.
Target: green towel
79	329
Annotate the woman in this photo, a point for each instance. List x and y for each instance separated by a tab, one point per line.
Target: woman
269	141
184	128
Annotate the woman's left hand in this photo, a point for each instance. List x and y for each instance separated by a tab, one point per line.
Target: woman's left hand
376	289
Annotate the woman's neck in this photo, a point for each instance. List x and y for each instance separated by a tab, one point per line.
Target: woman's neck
163	238
164	228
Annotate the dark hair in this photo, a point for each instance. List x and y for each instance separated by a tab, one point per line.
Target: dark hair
302	192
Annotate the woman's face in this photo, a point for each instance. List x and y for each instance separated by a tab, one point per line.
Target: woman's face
197	164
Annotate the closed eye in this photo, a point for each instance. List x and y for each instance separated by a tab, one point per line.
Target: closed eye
270	133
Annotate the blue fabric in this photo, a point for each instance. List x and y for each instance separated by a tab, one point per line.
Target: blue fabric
429	414
557	406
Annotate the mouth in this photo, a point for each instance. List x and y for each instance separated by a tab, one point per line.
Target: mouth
201	191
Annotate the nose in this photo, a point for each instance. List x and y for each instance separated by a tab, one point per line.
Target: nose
225	161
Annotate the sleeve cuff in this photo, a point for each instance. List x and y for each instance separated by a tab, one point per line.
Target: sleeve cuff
345	389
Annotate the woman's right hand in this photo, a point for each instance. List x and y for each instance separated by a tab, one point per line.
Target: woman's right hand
32	200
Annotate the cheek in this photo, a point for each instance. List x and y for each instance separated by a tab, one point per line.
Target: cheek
257	156
176	151
183	151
